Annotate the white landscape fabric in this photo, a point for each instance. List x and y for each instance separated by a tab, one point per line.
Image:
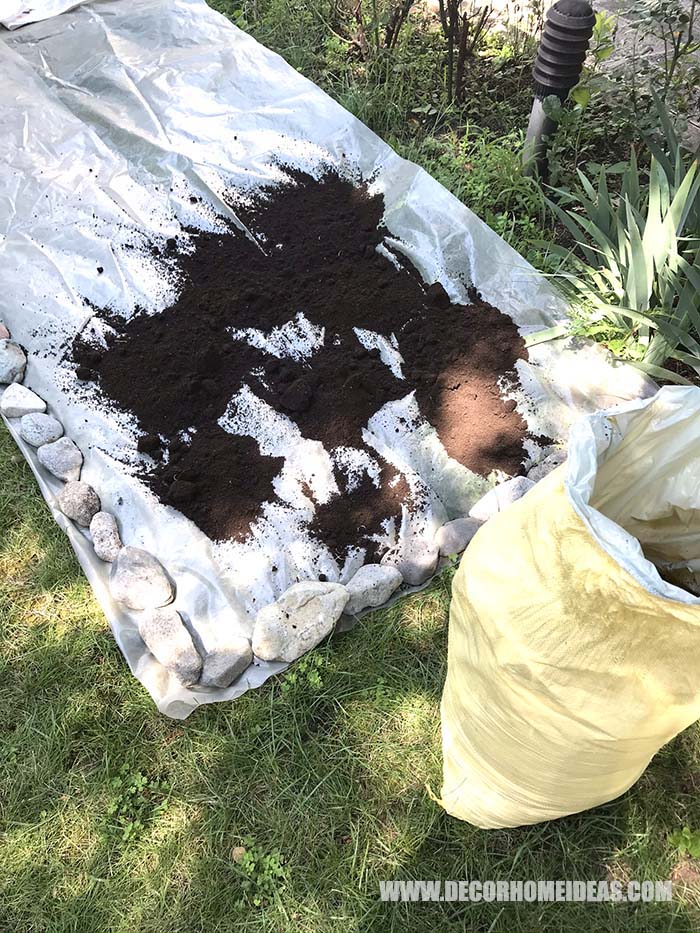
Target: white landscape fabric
16	13
113	115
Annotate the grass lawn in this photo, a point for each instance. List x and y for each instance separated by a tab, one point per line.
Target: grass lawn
114	818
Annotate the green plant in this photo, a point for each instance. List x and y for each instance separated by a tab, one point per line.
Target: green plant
485	172
465	32
136	801
660	58
233	9
522	24
634	268
601	48
672	24
578	123
262	874
664	144
9	754
305	673
686	841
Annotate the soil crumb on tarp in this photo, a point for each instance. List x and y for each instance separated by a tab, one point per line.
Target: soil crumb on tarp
352	518
314	273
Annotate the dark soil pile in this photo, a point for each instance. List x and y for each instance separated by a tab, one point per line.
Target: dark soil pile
350	520
315	253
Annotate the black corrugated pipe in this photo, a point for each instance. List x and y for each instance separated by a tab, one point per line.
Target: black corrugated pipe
563	46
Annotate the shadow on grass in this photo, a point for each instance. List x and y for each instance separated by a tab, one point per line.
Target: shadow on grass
331	776
326	766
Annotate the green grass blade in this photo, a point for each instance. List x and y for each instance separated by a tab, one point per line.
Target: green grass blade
543	336
574	228
671	332
630	181
666	125
660	372
653	228
639	277
687	358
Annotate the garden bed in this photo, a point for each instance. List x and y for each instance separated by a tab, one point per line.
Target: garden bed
279	359
316	318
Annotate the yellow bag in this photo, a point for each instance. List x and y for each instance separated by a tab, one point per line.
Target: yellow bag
571	661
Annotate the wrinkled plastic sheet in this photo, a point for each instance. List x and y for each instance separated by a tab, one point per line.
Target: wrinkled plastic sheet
114	114
632	476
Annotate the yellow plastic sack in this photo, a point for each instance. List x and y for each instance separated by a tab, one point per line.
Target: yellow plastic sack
571	661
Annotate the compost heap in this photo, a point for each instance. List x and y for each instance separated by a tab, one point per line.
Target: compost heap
287	313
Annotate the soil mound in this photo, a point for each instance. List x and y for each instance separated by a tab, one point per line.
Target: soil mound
279	313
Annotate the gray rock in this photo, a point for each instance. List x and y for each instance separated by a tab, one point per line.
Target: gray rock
371	586
17	400
415	558
37	429
500	497
4	332
79	502
226	652
167	638
545	466
62	458
300	619
105	536
139	580
226	662
454	536
13	361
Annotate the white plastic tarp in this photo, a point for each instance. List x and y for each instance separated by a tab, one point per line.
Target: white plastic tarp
113	115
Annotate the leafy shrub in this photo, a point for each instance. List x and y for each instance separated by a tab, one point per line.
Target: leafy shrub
635	272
